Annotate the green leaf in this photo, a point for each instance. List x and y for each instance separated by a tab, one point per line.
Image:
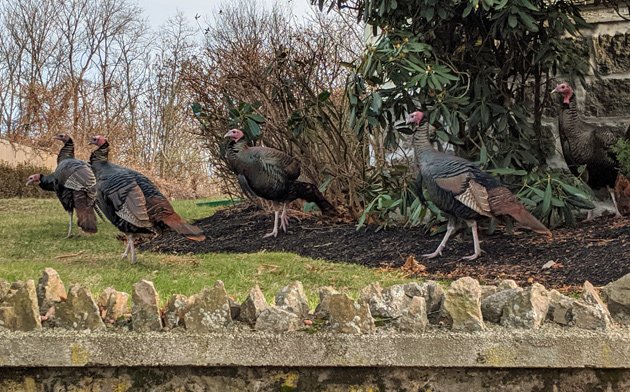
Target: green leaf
528	21
547	199
512	21
529	5
507	171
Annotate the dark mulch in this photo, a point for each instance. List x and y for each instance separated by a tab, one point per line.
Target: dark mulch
598	251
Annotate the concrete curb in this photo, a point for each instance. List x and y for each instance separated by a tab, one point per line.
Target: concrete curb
547	348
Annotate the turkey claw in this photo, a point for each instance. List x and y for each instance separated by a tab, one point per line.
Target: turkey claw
471	257
432	255
272	234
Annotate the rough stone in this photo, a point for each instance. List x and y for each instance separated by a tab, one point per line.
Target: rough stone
253	305
372	296
612	53
208	311
432	292
18	308
488	290
348	316
587	316
593	314
5	286
293	299
492	306
462	305
278	320
617	297
322	311
174	311
50	290
79	311
608	98
145	314
560	308
507	284
527	309
396	299
113	305
414	317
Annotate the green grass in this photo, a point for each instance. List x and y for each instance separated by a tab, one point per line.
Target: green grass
32	237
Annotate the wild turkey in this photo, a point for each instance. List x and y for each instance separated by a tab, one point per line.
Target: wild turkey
75	185
132	202
271	174
586	144
462	190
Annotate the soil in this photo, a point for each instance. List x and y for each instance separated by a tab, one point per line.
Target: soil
597	251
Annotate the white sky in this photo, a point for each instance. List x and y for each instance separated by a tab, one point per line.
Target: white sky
158	11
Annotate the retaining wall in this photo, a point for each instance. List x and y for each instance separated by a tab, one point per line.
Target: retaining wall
414	337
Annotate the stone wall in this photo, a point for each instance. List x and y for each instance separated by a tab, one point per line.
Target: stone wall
403	337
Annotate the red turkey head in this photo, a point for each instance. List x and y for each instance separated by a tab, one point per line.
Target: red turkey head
98	140
565	90
64	137
34	179
234	134
415	118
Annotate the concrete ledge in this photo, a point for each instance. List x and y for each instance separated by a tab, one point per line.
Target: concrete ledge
547	348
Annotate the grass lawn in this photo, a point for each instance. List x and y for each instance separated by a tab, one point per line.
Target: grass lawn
32	237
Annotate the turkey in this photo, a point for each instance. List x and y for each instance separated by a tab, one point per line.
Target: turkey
132	202
271	174
75	185
587	144
460	189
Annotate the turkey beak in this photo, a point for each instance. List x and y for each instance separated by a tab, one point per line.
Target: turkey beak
408	120
555	90
29	182
227	134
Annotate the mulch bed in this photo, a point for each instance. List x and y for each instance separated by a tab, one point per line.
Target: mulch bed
597	251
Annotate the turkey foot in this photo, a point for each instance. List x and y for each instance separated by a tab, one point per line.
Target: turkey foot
450	228
274	233
474	256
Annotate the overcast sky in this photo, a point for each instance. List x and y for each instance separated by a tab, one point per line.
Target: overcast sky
158	11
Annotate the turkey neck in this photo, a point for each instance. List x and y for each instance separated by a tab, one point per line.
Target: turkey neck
570	117
234	148
67	151
421	141
100	157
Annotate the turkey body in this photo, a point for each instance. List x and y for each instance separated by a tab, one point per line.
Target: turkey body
132	203
272	175
463	191
589	145
75	186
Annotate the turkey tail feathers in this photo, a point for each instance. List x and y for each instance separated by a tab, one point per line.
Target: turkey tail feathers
86	217
310	193
529	221
503	202
176	223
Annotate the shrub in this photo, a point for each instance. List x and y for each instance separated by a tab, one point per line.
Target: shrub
13	180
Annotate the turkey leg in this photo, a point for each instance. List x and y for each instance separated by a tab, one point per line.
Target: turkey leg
130	248
284	219
614	200
450	228
477	253
70	213
274	233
